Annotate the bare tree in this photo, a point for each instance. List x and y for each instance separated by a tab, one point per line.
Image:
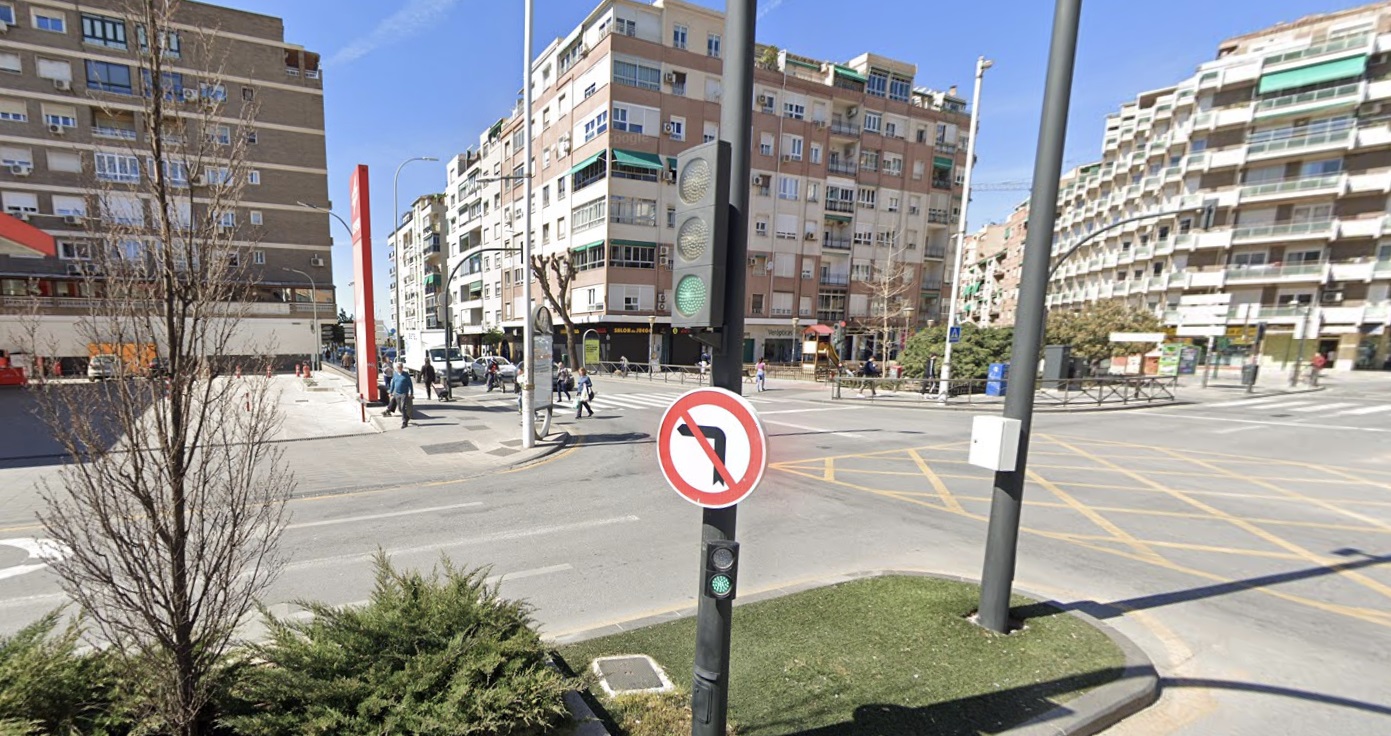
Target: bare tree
890	278
174	500
555	273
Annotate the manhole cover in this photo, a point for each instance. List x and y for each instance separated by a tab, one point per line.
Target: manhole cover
448	447
636	673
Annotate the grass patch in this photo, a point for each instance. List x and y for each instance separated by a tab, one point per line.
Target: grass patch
885	655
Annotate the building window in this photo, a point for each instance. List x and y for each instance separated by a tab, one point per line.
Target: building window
11	63
256	218
671	216
760	227
869	159
170	46
587	259
633	211
251	137
596	126
214	92
7	14
868	197
788	187
589	215
712	45
69	251
620	121
625	27
899	89
215	175
14	111
258	257
21	202
47	20
102	31
109	77
62	115
794	110
765	144
878	84
792	146
633	256
248	94
678	129
891	129
636	75
221	133
678	36
253	177
874	122
816	153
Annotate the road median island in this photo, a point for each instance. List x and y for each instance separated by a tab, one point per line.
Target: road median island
889	654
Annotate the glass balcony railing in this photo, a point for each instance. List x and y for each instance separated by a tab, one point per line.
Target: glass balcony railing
1298	142
1304	98
1320	49
1266	272
1288	186
1313	228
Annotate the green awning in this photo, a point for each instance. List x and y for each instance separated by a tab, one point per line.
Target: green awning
587	162
671	163
837	218
620	241
806	64
587	246
638	160
943	161
1313	74
849	73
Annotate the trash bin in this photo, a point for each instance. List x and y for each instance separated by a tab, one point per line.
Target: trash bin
1249	373
997	379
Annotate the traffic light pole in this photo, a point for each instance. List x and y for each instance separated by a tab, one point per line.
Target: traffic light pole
1007	498
710	687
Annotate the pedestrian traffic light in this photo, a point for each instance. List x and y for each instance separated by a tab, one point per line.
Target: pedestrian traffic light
702	235
1209	214
721	569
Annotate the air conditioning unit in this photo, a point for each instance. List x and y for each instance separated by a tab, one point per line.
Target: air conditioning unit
669	78
1331	297
62	85
190	95
316	261
753	260
198	180
21	216
670	176
584	51
665	262
72	220
668	128
786	157
806	274
852	112
765	101
56	129
759	180
80	269
21	169
768	266
818	123
811	236
596	307
4	27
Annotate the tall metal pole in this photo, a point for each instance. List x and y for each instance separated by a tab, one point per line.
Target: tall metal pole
982	64
529	317
396	244
1008	496
314	303
1299	351
736	126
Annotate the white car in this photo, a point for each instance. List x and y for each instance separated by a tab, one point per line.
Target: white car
505	369
103	365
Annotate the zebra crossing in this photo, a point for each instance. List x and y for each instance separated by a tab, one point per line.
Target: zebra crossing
1306	406
658	400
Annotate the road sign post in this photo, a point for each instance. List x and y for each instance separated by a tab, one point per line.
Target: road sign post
954	334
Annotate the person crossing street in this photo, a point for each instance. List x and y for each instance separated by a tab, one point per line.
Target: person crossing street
402	393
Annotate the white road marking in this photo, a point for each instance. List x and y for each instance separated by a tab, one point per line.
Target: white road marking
1373	409
1297	425
46	599
482	539
387	515
814	408
42	550
1234	430
1323	407
1287	405
803	427
1247	402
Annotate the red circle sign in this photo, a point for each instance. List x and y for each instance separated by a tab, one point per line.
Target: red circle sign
711	447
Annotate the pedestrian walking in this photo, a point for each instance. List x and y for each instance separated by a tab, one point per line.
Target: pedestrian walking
403	393
869	371
427	377
387	374
761	375
563	382
1317	364
493	375
584	393
623	366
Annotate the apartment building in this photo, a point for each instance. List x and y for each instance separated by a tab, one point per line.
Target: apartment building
855	171
1287	130
416	264
990	273
70	114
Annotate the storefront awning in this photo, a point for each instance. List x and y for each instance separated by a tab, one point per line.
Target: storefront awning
644	243
587	162
1313	74
671	163
19	238
587	246
849	73
638	160
943	161
836	218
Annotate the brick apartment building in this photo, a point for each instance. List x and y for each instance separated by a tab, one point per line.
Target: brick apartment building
71	97
994	262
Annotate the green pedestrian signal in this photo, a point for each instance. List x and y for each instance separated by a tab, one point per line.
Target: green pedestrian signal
721	568
721	585
702	235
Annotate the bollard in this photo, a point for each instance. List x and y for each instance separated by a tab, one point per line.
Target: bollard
238	371
267	370
362	403
297	370
248	401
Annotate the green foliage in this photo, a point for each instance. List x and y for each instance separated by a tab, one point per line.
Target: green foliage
494	337
48	687
970	358
428	654
1089	329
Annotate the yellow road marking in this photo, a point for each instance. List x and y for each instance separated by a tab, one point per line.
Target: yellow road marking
1117	533
936	482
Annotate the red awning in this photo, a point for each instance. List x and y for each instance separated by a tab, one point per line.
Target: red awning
817	330
19	238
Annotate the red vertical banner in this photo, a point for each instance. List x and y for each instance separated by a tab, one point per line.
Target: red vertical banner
365	323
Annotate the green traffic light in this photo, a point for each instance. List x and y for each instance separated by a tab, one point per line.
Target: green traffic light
691	294
720	585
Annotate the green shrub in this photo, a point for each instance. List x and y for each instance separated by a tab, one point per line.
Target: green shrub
970	358
48	687
428	654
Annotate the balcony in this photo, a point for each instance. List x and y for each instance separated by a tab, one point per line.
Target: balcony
840	205
838	167
836	243
1297	187
935	252
845	129
1343	94
1338	46
835	279
937	217
1316	229
1300	144
111	131
1316	272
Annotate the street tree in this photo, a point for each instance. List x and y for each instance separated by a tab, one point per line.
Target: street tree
173	501
554	273
1088	330
889	285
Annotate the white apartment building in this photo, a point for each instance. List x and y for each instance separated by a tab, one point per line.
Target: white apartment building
1287	129
415	252
856	169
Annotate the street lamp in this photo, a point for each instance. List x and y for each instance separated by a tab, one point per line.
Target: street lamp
395	226
314	302
982	64
330	212
796	339
654	359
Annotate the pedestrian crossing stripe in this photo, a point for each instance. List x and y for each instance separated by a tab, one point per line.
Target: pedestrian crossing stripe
1301	406
1373	409
1324	407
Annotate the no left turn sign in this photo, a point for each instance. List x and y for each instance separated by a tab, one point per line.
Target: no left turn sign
711	447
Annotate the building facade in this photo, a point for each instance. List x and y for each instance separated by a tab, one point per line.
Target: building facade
1287	132
71	109
994	262
856	173
415	268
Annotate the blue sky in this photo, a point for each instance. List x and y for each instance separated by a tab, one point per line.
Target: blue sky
423	77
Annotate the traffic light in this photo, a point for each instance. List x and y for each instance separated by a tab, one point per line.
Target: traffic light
1209	214
721	569
702	236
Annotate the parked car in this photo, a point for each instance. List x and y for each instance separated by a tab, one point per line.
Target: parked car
505	369
102	366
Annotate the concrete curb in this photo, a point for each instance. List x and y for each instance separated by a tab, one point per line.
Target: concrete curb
1090	713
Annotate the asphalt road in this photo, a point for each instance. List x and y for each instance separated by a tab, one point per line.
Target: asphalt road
1243	545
